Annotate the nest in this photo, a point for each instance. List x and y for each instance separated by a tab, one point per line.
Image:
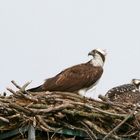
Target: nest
56	112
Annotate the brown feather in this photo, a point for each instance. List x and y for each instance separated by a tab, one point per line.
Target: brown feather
73	78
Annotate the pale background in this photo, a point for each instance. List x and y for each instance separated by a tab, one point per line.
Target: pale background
39	38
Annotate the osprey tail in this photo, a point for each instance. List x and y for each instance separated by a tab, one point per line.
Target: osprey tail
36	89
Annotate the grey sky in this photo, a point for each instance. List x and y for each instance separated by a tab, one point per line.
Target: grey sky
39	38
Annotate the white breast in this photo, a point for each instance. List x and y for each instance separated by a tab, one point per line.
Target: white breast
83	91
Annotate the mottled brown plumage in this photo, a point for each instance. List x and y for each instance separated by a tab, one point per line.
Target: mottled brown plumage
127	97
126	93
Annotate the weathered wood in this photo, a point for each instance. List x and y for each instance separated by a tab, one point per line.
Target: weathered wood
55	111
31	133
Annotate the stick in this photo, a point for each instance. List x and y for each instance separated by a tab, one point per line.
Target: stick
129	116
110	114
52	109
12	91
22	89
4	120
15	84
20	108
44	124
91	134
31	133
24	86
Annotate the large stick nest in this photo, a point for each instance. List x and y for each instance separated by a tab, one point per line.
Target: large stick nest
55	111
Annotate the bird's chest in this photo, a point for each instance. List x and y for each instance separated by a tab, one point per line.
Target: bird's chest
85	89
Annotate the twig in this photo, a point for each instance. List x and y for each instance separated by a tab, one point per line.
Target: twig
69	94
38	106
20	108
75	112
15	84
4	120
99	110
52	109
44	124
14	116
129	116
94	127
44	128
25	85
22	89
111	114
91	134
12	91
28	97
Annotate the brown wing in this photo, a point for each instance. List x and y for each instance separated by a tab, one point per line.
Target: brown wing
74	78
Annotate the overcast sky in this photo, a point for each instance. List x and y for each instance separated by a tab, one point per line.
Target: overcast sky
39	38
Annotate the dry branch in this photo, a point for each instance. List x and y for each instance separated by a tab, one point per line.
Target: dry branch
54	111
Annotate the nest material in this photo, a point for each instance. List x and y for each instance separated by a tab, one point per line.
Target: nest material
55	111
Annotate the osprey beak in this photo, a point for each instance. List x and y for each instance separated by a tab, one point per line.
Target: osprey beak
90	53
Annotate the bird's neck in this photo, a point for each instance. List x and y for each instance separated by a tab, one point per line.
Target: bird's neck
97	61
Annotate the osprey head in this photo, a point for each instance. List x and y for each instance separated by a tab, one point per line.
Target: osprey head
136	82
98	51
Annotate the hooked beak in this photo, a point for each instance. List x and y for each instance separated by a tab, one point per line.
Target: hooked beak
91	53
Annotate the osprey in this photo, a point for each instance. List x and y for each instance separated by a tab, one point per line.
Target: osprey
78	78
129	93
